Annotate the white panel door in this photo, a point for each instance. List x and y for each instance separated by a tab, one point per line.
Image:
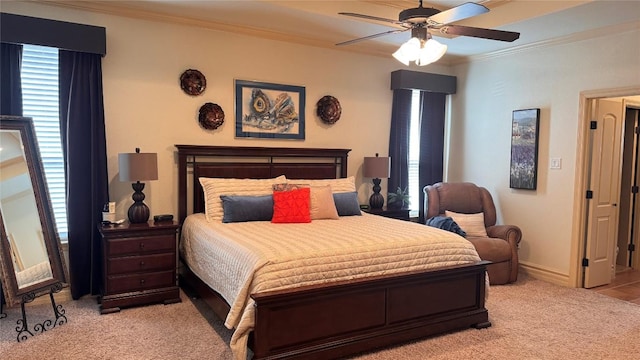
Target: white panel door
605	184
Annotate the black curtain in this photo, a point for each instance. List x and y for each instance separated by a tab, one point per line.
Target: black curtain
432	113
10	83
399	139
84	146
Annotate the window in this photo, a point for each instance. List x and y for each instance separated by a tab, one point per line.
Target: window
39	74
414	153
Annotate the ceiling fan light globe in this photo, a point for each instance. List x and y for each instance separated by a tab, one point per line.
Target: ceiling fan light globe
399	55
431	52
411	49
423	60
408	52
436	47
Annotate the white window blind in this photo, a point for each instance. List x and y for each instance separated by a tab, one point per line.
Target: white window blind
414	153
39	75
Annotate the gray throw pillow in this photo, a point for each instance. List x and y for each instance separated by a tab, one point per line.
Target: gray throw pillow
347	203
246	208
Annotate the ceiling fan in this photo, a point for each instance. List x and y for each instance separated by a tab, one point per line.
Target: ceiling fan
420	20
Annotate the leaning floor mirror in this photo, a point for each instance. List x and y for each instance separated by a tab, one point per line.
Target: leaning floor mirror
31	260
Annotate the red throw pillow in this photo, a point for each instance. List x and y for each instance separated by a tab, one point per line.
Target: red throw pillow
291	206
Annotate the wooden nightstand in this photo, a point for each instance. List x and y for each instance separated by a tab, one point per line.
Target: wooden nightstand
139	265
401	214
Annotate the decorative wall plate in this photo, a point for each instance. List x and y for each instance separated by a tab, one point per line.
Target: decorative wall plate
211	116
193	82
329	109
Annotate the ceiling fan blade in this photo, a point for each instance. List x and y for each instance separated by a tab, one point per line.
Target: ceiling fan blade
479	32
371	36
457	13
368	17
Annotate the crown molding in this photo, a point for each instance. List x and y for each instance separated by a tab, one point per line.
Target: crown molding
113	9
567	39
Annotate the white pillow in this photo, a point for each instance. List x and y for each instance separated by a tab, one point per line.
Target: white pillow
214	187
337	185
472	224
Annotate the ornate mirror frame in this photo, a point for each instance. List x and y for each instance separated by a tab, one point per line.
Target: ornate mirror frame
13	293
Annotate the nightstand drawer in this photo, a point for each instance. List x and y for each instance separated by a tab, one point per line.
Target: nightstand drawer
139	282
136	264
141	245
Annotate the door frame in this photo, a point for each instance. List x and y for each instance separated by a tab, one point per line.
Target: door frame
628	199
576	275
635	257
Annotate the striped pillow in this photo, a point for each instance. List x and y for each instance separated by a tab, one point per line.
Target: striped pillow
214	187
347	184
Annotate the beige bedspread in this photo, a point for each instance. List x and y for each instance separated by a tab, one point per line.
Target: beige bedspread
238	259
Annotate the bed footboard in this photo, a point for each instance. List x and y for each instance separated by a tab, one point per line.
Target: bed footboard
326	322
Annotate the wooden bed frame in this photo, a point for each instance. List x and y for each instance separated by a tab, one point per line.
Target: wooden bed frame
340	319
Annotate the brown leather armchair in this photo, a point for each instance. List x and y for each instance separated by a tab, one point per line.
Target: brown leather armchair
501	245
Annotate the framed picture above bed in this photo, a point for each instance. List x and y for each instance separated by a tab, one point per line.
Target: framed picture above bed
267	110
525	127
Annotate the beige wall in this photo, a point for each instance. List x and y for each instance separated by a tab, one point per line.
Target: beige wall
145	107
550	78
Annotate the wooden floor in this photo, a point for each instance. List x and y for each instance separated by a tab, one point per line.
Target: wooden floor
625	286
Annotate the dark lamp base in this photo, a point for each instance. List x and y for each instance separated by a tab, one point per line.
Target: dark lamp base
138	212
376	201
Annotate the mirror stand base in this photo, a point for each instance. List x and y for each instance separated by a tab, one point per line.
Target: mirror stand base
23	328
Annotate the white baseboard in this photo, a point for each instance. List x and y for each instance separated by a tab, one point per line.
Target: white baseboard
544	274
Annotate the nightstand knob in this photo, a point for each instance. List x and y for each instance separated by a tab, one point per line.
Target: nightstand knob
142	282
141	263
141	245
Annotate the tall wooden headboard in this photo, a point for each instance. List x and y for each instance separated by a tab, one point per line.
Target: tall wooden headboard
195	161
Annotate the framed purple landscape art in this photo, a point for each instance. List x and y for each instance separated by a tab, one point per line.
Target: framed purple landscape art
524	149
266	110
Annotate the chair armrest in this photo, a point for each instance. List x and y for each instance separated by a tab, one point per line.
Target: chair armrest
510	233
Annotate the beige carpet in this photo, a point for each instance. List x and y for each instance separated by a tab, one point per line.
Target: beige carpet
531	320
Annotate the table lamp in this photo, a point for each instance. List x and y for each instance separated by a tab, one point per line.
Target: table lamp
138	167
376	168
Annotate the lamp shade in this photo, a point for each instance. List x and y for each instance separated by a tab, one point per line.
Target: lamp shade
376	167
138	166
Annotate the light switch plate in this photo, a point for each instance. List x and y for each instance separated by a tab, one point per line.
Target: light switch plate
556	163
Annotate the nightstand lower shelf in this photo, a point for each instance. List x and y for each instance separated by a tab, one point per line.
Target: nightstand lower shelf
113	303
